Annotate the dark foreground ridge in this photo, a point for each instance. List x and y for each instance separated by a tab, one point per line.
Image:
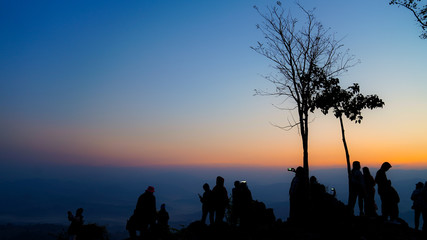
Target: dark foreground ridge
351	228
315	213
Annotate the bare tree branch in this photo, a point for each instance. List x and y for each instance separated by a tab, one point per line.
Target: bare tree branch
302	53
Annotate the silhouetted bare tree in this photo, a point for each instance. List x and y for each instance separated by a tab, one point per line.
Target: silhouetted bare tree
348	102
419	11
299	52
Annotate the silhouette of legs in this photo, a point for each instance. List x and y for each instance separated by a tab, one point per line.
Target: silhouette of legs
417	219
205	213
219	216
353	196
424	214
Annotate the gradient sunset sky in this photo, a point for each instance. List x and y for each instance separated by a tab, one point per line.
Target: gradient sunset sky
142	83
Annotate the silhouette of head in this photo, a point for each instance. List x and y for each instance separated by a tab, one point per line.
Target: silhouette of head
366	171
386	166
79	212
313	180
220	181
356	165
236	184
299	172
150	189
163	206
206	187
419	185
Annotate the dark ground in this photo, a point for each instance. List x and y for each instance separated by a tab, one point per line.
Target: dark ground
351	228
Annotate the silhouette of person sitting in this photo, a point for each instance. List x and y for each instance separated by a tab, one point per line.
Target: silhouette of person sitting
418	205
370	206
357	188
76	223
382	183
298	196
317	189
144	215
323	206
220	199
207	204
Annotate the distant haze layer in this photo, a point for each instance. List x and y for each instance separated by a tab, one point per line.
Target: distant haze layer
109	194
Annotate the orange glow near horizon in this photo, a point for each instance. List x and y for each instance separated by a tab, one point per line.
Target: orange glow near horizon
267	148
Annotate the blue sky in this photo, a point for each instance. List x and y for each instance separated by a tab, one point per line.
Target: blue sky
171	82
112	84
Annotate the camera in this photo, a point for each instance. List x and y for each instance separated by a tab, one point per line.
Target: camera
332	189
291	169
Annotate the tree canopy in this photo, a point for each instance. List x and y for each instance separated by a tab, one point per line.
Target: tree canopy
348	102
418	9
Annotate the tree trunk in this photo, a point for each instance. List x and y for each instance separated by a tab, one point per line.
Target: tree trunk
347	155
305	149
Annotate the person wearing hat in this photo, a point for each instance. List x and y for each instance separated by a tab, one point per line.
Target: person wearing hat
144	215
418	198
382	183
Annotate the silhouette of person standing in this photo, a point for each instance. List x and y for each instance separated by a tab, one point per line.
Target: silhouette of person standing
76	223
424	209
207	204
144	215
357	188
418	198
163	218
245	204
235	203
382	182
297	196
370	207
220	197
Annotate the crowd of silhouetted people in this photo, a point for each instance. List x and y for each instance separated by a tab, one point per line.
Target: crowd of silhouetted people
308	198
238	210
304	196
362	189
309	201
